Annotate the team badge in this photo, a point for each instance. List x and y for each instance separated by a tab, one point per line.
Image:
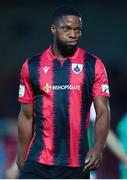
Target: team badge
77	68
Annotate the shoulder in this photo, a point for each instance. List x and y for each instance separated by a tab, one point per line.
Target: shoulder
33	60
97	60
36	57
89	55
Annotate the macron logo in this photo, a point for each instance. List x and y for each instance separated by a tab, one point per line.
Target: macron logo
45	69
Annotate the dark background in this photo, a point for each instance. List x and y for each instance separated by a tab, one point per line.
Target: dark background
25	31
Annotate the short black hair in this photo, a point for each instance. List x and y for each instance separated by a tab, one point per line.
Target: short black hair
63	11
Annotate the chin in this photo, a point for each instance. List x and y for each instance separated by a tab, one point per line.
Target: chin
71	47
67	49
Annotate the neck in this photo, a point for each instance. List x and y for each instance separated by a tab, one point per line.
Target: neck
62	52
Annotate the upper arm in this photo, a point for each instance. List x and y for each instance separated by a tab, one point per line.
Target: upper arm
25	88
26	111
25	118
100	86
25	122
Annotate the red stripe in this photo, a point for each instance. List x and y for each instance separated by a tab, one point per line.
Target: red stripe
47	111
33	138
29	147
75	118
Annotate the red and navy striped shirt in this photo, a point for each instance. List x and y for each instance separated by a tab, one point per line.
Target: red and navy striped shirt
61	94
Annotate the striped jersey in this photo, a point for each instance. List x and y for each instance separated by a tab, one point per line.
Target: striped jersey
61	93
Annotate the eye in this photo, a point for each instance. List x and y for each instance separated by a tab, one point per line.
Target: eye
66	28
78	30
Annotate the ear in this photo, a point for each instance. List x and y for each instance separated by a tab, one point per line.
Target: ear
53	29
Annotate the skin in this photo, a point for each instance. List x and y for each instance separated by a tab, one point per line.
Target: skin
94	156
66	34
25	131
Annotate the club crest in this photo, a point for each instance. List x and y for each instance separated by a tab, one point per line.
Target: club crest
77	68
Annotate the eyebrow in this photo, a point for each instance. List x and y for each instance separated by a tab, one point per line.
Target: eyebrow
69	26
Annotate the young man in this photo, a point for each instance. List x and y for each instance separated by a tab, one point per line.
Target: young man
57	88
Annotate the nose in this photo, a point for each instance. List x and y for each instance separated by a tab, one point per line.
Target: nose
72	34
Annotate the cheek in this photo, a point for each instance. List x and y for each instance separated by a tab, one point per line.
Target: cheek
78	35
62	37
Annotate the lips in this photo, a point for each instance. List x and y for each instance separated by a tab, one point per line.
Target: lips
73	43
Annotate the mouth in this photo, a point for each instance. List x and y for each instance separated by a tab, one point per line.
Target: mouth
73	43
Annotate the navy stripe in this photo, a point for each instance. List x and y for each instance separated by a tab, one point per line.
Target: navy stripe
89	73
33	65
89	80
61	113
37	146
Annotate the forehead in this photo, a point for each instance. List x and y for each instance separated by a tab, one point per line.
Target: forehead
71	20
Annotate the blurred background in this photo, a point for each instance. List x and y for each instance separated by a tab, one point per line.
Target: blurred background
25	31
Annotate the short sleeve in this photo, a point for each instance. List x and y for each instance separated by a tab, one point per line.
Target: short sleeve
101	85
25	89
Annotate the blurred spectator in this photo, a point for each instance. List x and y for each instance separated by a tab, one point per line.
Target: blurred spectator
8	144
122	133
118	145
12	171
2	159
